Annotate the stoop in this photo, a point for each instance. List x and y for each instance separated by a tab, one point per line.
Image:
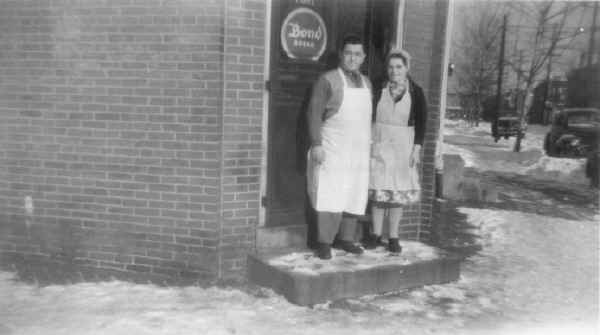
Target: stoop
307	280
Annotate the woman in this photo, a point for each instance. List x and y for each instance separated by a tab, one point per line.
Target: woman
397	138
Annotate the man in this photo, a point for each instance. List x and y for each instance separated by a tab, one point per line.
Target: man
339	122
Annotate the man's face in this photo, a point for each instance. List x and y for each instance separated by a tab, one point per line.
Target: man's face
352	57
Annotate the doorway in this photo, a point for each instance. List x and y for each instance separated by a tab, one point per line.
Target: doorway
312	31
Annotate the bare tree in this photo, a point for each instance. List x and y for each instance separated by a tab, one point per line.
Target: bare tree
540	34
476	54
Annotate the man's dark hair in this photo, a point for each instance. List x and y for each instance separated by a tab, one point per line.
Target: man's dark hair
352	39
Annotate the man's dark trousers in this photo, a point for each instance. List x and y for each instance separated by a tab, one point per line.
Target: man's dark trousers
329	224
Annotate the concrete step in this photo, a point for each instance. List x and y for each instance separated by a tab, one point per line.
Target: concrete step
307	280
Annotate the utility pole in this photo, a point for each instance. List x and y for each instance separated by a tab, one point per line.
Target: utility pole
520	70
591	47
548	90
518	96
500	75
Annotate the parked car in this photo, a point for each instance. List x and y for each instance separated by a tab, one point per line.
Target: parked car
507	126
574	133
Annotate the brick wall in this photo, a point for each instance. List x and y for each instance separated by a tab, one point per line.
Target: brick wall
424	28
110	116
242	129
134	126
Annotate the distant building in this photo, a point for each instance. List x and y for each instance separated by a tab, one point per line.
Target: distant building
583	85
548	97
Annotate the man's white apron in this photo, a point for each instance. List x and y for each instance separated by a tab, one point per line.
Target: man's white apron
341	182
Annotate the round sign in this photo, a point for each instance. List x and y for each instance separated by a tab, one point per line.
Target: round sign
303	34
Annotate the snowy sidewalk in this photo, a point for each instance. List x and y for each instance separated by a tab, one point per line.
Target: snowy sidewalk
535	275
477	147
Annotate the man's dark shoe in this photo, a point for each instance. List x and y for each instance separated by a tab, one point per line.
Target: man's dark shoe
372	241
324	251
337	244
394	246
350	247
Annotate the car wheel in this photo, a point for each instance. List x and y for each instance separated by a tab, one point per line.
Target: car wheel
593	169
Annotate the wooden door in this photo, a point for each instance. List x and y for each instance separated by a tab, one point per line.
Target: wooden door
290	82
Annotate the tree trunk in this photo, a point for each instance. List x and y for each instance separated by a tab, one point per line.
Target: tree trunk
517	147
478	113
523	108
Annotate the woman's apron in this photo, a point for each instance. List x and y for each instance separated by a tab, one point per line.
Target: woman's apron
392	146
341	182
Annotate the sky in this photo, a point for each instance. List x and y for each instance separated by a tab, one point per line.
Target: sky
519	25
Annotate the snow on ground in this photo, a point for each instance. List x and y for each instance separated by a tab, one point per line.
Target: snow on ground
478	149
307	263
535	275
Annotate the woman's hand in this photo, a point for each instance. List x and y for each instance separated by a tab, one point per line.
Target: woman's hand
317	154
415	155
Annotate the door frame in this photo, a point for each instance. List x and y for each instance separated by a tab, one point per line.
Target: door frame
399	17
399	38
262	211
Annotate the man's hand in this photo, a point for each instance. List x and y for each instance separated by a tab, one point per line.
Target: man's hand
317	154
415	155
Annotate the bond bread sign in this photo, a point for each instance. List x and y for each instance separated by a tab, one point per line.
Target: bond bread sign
303	34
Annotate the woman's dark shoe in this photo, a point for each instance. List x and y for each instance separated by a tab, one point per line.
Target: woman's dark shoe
372	241
324	251
350	247
394	246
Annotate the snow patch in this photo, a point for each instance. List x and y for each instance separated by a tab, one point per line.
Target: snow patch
447	292
531	268
566	170
467	156
478	149
307	263
535	275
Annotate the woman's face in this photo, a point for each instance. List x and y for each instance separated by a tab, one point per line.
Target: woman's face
397	70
